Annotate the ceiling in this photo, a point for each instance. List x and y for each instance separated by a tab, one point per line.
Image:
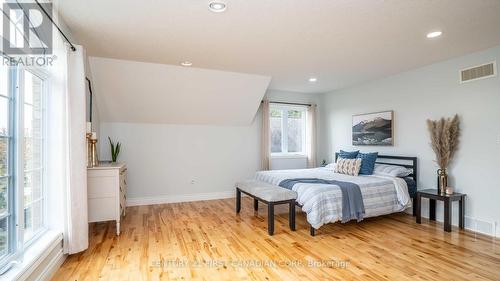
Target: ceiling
129	91
341	42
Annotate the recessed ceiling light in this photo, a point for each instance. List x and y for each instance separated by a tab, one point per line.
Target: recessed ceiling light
217	6
434	34
313	79
186	63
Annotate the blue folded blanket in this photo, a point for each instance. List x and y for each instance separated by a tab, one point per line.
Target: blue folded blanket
352	200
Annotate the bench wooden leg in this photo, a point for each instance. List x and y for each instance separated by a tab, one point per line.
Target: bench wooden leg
270	218
291	215
313	231
238	200
255	204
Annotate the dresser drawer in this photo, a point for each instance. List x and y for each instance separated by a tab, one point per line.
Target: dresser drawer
102	173
102	209
102	187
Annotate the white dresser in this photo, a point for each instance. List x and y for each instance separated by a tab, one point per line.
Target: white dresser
106	192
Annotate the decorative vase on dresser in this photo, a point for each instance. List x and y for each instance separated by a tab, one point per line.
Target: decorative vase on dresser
106	189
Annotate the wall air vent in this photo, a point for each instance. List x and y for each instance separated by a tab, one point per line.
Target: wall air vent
478	72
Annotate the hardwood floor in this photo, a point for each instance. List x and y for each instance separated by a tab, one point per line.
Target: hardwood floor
206	240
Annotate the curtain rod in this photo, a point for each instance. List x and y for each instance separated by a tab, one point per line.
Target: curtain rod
59	29
289	103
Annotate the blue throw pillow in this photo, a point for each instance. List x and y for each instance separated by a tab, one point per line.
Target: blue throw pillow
348	154
367	162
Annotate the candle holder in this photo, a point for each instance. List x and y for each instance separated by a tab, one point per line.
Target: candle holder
449	190
93	152
89	149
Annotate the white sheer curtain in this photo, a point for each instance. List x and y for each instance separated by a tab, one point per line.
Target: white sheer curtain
76	230
311	136
67	173
265	147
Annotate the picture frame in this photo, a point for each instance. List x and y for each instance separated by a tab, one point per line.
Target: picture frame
375	128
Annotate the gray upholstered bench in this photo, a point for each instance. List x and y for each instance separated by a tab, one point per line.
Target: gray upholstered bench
270	195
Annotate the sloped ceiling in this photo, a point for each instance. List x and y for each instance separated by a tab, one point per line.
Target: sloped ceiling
129	91
341	42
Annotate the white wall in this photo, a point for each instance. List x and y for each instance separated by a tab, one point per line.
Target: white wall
432	92
164	159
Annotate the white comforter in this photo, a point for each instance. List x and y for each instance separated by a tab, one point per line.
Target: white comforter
323	203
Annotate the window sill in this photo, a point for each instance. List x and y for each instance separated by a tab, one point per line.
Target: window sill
34	255
288	156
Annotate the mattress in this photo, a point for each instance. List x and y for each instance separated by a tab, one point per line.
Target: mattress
322	203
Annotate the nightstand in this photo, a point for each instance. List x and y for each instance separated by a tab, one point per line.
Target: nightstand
433	195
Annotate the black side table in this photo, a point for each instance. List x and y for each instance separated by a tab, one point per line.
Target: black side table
433	195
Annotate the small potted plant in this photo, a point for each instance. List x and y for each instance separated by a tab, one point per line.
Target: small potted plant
115	150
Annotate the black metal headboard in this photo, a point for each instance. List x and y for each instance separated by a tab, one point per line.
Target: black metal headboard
398	161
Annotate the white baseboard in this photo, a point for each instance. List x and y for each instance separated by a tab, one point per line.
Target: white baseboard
481	226
53	266
476	225
41	260
154	200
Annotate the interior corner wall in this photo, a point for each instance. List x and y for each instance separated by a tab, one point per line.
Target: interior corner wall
173	163
432	92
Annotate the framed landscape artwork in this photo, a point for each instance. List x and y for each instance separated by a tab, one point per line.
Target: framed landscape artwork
373	128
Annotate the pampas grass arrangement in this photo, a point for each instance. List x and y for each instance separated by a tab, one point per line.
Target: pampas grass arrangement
445	134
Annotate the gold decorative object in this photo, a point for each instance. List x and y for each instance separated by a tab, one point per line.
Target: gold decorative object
89	149
442	181
93	152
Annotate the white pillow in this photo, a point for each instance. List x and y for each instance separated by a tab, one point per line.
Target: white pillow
391	171
330	166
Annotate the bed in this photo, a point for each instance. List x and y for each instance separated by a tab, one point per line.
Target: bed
322	203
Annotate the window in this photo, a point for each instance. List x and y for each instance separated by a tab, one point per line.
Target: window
22	98
33	152
288	130
6	218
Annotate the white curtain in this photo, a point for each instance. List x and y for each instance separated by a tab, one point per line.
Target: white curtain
311	136
76	221
266	138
